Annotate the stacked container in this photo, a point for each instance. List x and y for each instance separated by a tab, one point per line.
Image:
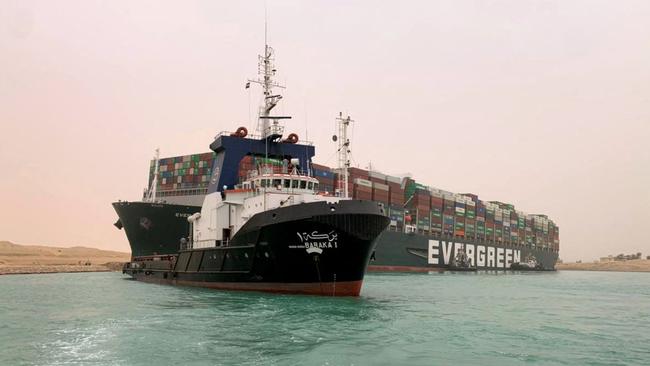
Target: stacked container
506	225
529	230
514	228
358	177
396	192
326	178
246	165
459	217
490	209
448	213
498	223
470	216
362	189
431	210
420	206
396	200
182	175
380	192
436	211
480	219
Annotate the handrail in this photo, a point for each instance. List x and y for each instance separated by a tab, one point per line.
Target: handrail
258	137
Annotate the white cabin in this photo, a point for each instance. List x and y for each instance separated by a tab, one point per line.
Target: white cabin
224	213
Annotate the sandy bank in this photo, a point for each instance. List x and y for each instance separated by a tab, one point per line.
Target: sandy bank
16	258
638	265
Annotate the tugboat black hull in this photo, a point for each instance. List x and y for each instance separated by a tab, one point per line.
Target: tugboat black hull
314	248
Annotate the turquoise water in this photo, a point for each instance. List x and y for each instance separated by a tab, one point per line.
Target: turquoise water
564	318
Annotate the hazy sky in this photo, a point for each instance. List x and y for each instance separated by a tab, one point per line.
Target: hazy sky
544	104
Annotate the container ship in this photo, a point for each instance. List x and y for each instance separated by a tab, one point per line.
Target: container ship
429	229
428	226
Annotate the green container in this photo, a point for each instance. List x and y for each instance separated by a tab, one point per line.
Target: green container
267	161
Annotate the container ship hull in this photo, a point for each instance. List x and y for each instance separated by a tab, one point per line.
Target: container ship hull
397	251
314	248
153	228
394	250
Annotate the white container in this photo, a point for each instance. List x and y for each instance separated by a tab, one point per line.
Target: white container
380	186
363	182
377	175
396	180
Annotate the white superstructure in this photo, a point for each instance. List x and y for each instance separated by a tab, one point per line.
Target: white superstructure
224	213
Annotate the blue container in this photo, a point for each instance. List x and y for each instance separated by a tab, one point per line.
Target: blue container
323	173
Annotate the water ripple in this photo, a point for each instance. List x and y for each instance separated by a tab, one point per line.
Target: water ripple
417	319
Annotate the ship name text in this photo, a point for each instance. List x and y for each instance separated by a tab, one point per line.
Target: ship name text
442	253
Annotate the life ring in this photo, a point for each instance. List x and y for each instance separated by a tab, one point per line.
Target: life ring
291	139
241	132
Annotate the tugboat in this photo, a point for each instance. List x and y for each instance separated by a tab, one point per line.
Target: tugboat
275	231
529	264
461	262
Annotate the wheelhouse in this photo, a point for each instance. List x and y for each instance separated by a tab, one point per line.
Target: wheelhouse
285	183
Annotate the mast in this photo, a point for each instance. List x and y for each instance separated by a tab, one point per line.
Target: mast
270	126
153	189
343	152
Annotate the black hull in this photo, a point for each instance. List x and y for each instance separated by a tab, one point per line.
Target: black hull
273	253
154	228
395	251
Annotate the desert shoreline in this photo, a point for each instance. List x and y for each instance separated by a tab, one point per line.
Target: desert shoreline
36	259
636	265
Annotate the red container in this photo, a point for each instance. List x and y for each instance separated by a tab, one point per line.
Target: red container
358	173
380	195
362	195
396	196
436	202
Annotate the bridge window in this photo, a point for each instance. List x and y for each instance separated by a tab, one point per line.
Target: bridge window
277	182
303	184
310	185
295	183
315	186
263	181
287	183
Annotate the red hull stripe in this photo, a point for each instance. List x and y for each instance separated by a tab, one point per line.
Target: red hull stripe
350	288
